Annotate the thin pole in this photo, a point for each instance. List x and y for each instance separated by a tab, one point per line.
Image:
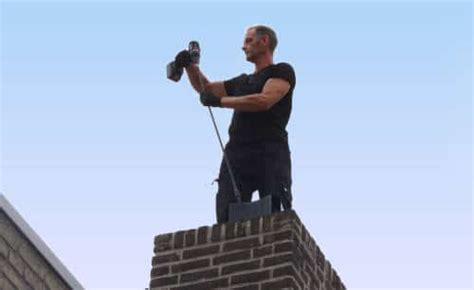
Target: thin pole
227	162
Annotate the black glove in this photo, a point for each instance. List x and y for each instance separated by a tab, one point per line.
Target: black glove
208	99
183	59
195	51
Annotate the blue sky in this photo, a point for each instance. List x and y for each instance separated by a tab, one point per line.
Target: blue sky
100	152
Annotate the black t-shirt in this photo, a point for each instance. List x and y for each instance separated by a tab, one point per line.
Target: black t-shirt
270	125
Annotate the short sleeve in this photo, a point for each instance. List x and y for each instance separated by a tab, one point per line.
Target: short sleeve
284	71
231	85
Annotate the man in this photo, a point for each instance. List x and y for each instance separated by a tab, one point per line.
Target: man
258	148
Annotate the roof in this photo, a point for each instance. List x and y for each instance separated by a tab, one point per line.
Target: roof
38	243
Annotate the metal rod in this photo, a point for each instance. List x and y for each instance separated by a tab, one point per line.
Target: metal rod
227	162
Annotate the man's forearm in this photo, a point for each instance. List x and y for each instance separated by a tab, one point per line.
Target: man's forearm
195	76
248	103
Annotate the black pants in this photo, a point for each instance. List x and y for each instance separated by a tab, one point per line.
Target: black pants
265	167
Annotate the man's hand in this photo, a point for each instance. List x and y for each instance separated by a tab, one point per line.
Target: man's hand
183	59
208	99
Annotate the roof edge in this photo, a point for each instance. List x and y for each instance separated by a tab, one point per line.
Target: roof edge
44	250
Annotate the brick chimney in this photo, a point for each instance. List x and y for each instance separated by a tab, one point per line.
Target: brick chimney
272	252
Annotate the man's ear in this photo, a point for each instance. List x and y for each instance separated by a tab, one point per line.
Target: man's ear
265	39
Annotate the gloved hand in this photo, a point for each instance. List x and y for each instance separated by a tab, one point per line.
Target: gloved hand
195	51
208	99
183	59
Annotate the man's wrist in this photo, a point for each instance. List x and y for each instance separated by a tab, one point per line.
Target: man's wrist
209	99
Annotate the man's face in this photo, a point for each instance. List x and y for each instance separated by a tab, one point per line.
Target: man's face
253	47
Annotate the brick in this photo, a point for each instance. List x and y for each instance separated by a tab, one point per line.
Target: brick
336	282
163	243
5	284
216	234
232	257
277	237
284	283
275	260
304	234
17	262
202	236
284	247
312	244
320	259
262	251
295	217
305	277
243	229
33	259
190	238
199	275
53	281
308	258
165	281
12	275
255	226
315	284
288	270
250	277
240	267
199	252
178	241
327	285
247	287
272	252
188	266
160	271
309	269
327	271
313	280
266	224
4	248
10	233
241	244
230	230
163	259
319	274
212	284
284	215
34	280
282	221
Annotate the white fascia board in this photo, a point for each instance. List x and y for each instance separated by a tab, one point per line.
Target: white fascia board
41	246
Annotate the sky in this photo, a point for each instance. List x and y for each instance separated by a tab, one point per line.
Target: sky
100	152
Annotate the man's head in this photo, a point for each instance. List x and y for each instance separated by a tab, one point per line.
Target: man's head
259	40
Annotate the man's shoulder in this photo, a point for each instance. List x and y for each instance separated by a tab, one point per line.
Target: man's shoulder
285	71
284	65
284	68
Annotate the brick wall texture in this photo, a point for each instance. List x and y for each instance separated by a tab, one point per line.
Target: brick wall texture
272	252
22	267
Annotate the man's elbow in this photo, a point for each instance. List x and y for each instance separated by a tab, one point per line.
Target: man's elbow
264	106
265	103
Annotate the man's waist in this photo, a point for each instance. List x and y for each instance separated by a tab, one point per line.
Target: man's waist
257	140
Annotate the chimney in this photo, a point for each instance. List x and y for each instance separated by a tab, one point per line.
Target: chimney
271	252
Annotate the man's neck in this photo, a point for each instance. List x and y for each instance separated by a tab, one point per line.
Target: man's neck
263	62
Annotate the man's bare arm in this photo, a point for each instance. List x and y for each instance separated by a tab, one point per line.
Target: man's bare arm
273	91
194	73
